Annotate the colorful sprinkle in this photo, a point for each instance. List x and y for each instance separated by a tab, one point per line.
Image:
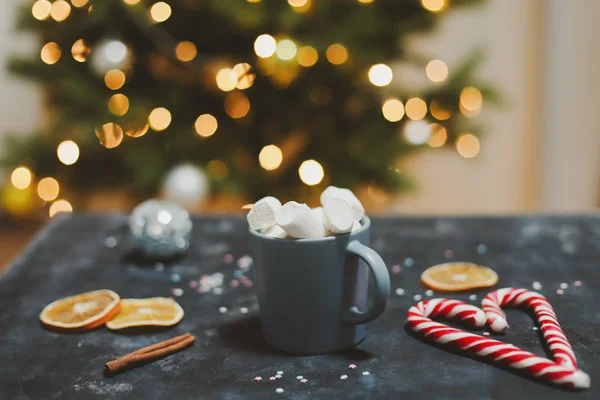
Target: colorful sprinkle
218	291
344	377
110	242
429	292
244	310
365	373
244	263
228	258
175	278
193	284
396	269
409	262
299	377
560	292
563	285
536	285
258	378
177	292
279	373
303	380
535	328
222	310
159	266
400	292
482	249
352	366
417	297
448	253
272	378
486	334
473	297
279	390
248	283
238	274
234	283
577	283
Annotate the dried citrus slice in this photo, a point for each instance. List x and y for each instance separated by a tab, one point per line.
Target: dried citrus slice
81	312
457	276
156	311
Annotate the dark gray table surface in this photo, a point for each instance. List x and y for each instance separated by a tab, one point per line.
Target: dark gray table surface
70	256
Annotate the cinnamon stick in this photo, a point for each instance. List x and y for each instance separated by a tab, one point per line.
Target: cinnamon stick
149	353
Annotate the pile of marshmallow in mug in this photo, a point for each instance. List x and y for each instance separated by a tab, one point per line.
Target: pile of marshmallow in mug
340	213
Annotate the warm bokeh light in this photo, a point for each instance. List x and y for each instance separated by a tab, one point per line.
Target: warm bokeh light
439	112
81	3
60	206
131	2
41	9
226	79
50	53
365	1
237	105
21	178
471	99
245	78
48	189
160	12
114	79
438	137
270	157
297	3
307	56
311	172
60	10
433	5
286	49
336	54
206	125
80	51
110	135
436	70
186	51
118	104
137	131
217	169
159	119
416	108
68	152
253	1
468	145
115	51
265	46
393	110
380	75
417	132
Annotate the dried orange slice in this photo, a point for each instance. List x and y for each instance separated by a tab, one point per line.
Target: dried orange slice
81	312
156	311
457	276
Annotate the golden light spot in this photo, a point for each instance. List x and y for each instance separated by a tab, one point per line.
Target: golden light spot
60	206
186	51
217	169
110	135
393	110
297	3
439	135
114	79
416	108
311	172
68	152
131	2
270	157
48	189
60	10
471	99
265	46
468	145
365	1
41	9
206	125
245	78
237	105
380	75
137	131
80	51
307	56
50	53
21	178
226	79
436	70
118	104
438	112
417	132
286	49
247	206
160	12
159	119
80	3
300	6
253	1
336	54
433	5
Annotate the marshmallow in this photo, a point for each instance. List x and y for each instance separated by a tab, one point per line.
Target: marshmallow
356	226
338	216
299	221
318	212
275	231
263	213
346	194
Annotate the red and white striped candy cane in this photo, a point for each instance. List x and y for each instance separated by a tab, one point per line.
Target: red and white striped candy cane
498	352
555	338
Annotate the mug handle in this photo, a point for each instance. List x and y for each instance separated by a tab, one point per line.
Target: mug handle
382	284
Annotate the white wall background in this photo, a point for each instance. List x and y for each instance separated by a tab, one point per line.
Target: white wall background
541	149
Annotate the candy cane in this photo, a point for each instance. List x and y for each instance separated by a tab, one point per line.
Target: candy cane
498	352
555	338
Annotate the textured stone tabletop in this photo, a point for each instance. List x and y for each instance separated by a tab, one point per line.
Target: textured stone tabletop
73	255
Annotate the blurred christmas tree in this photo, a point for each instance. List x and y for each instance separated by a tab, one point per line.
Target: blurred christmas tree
265	96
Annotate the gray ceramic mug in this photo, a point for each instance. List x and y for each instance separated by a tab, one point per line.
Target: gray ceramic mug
313	292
